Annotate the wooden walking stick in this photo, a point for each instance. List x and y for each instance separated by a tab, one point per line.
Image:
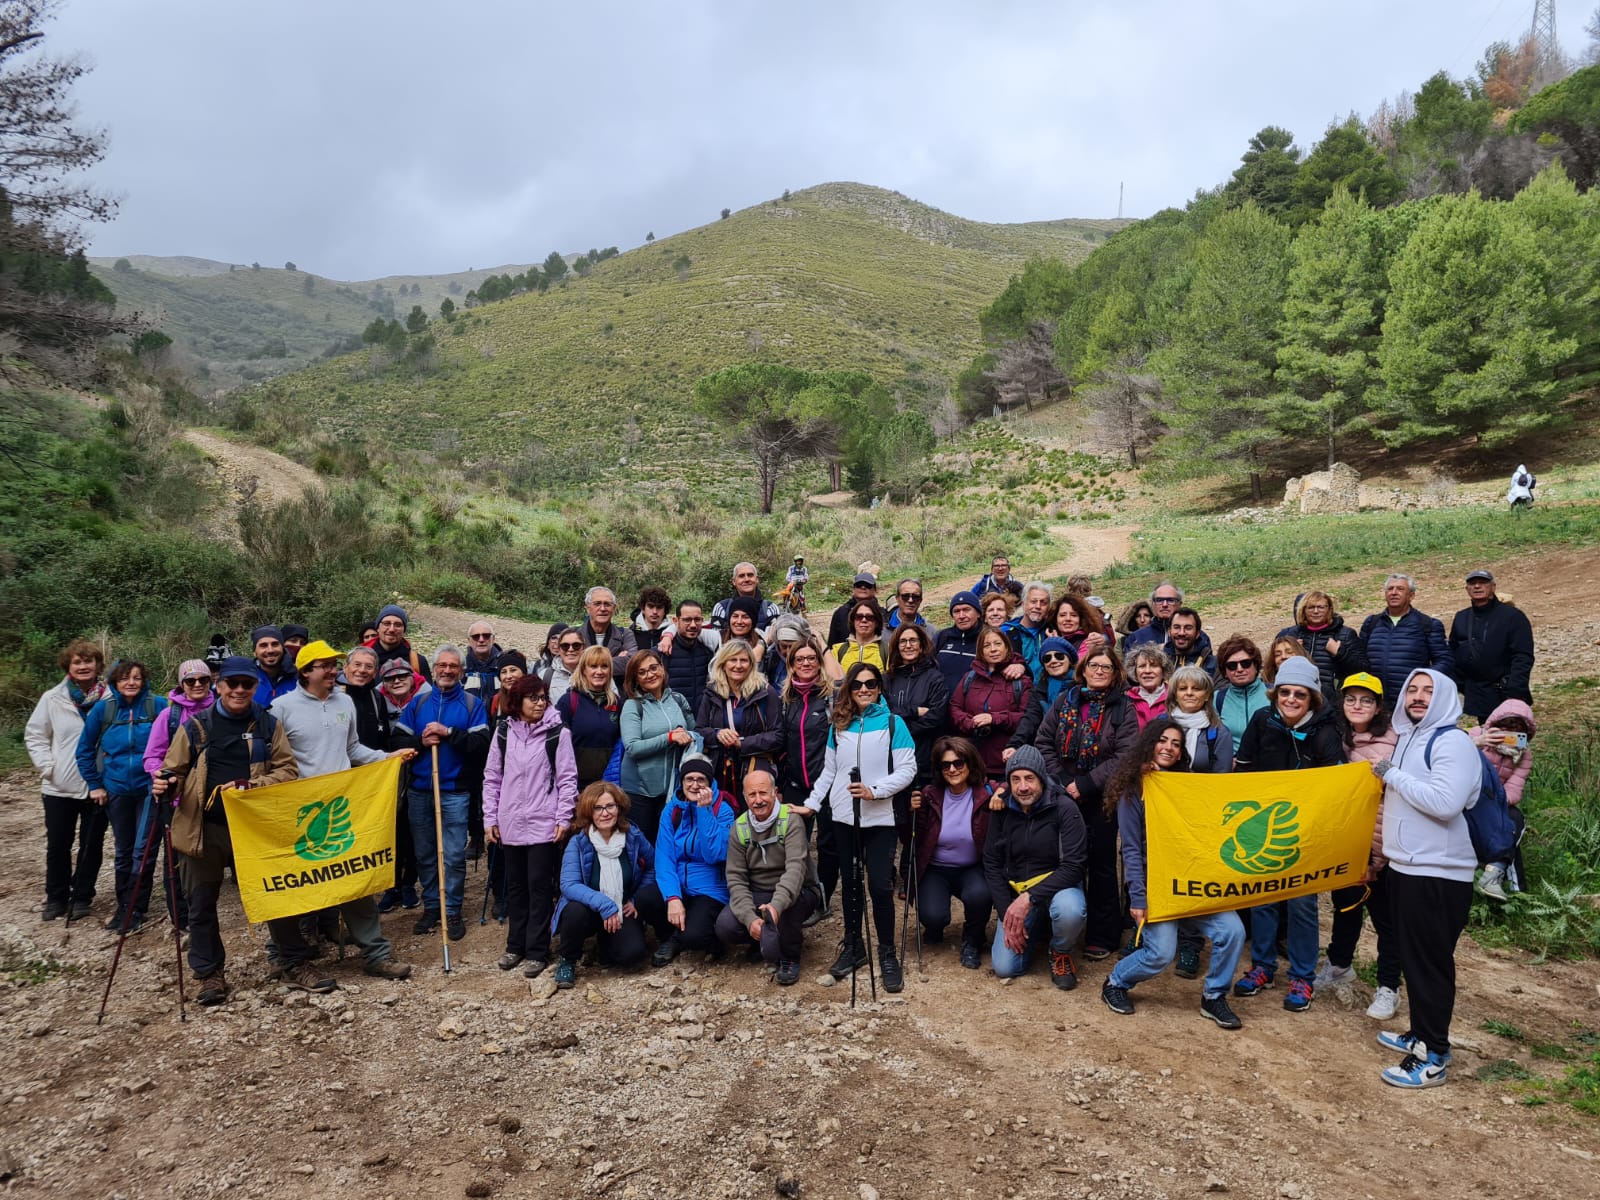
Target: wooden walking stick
438	843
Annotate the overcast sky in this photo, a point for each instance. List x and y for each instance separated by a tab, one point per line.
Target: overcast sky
362	138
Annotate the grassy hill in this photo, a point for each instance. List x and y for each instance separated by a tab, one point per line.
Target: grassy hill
233	324
840	275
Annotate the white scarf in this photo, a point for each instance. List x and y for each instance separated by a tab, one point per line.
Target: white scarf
1193	725
610	853
763	826
1152	698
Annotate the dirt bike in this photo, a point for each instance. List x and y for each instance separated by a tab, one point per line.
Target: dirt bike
792	598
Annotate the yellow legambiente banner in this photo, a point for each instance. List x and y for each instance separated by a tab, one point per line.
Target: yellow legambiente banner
314	843
1221	842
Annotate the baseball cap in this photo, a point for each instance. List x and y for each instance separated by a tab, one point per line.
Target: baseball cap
314	652
864	579
395	666
237	666
1480	573
1363	679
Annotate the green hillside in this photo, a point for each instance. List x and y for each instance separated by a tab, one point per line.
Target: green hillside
837	276
235	323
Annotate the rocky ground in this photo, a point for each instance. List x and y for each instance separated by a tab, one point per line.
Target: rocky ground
708	1081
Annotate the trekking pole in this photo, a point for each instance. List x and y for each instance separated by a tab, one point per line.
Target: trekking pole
438	844
127	920
172	905
861	914
488	886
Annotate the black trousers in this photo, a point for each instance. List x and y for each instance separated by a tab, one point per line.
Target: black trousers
936	887
785	940
868	861
699	918
820	825
67	819
1347	928
579	923
530	877
644	812
1102	892
1429	914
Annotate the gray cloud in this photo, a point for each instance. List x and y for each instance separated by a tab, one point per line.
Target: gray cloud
365	139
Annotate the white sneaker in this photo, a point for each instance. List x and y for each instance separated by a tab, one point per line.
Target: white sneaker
1330	976
1384	1004
1492	882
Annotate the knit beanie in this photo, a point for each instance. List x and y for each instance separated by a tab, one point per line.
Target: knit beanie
968	598
394	610
514	658
296	631
1057	645
696	764
748	605
193	668
1299	672
265	631
1027	758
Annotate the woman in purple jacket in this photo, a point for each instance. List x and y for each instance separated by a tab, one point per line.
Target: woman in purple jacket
530	788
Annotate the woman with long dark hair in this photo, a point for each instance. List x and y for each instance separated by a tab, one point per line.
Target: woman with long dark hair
952	821
808	698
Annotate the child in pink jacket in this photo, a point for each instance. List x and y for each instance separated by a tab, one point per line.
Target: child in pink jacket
1506	741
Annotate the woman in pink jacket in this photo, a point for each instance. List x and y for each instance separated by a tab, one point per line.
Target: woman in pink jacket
530	789
1505	740
1364	726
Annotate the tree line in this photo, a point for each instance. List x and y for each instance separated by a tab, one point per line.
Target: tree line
1429	274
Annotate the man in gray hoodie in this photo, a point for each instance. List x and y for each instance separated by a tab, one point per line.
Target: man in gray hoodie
1433	777
320	721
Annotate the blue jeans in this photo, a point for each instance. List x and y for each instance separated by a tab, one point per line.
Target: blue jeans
1302	938
419	803
1068	911
1158	946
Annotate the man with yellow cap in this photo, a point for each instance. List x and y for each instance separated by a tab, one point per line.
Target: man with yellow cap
320	721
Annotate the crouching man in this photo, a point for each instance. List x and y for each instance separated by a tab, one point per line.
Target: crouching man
772	883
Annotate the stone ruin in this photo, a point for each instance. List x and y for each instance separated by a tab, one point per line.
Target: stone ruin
1336	490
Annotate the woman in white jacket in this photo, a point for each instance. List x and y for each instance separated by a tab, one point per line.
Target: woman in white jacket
870	759
1433	777
52	737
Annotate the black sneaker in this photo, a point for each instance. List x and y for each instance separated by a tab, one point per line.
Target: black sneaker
114	924
53	911
788	972
426	923
456	927
1188	961
851	956
889	968
971	956
81	908
666	952
1116	998
1217	1009
818	915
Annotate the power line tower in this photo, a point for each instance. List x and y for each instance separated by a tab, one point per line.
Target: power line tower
1543	34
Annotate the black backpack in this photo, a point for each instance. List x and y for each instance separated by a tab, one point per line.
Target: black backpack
551	740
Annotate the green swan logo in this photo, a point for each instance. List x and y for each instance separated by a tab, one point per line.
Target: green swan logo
1264	842
325	830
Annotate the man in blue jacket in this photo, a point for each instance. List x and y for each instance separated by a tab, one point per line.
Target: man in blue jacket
273	669
1402	639
453	721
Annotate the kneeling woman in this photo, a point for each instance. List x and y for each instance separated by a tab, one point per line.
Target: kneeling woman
951	821
1160	747
606	863
691	885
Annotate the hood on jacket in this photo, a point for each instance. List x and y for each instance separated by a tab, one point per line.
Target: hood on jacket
179	700
716	796
122	702
1513	708
1443	711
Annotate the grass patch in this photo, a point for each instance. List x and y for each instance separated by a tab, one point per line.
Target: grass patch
1502	1070
26	967
1580	1086
1503	1029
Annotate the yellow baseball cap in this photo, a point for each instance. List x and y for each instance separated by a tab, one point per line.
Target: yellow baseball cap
314	652
1360	679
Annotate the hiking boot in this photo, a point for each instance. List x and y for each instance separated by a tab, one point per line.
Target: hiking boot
1062	973
426	923
456	927
1414	1072
1407	1043
1384	1004
306	978
889	968
971	956
114	924
534	968
1116	998
1300	996
389	901
508	960
80	909
1256	979
213	989
1216	1007
1096	953
1330	976
852	954
788	972
53	911
409	897
666	952
1492	883
566	973
387	968
1188	961
818	915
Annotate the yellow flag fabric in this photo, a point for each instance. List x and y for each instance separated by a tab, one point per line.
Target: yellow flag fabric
314	843
1215	843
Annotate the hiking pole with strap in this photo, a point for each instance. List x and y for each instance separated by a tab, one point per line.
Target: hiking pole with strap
127	913
488	885
860	857
911	899
438	845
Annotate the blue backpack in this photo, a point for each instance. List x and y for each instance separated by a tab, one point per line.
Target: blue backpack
1494	827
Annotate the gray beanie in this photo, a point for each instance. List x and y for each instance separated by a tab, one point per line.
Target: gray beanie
1027	758
1299	672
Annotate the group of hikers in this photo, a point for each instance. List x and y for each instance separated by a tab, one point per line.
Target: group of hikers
684	781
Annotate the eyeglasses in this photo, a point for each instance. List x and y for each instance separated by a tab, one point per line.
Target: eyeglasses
1097	666
951	764
864	685
1165	600
480	637
600	808
1055	656
1240	664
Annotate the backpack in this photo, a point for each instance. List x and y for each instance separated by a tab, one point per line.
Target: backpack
262	727
1490	821
741	825
550	741
1016	689
147	716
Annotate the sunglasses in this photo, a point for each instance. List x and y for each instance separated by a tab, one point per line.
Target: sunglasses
868	617
200	679
1293	693
1240	664
910	597
569	645
1165	600
1055	656
238	685
481	637
863	685
952	764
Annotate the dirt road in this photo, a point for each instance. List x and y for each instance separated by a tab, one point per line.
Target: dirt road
253	471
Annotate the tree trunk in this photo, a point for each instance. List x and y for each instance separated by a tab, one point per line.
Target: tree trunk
835	474
1332	451
1255	486
1133	452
